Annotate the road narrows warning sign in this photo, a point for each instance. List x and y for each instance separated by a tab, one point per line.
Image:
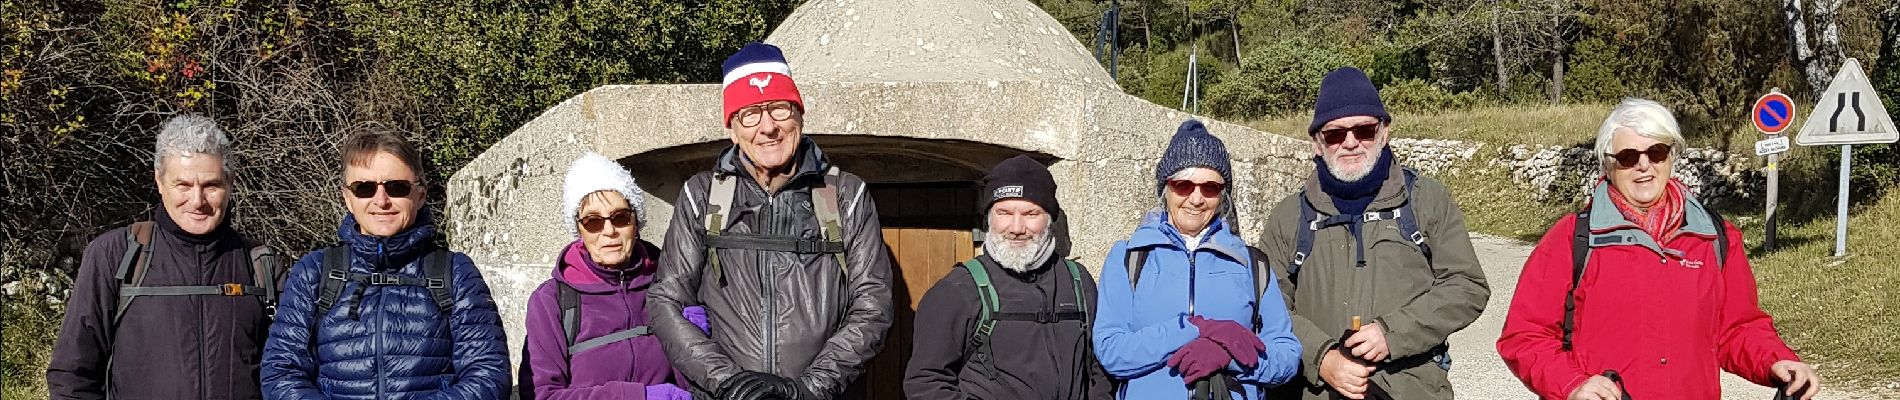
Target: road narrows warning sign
1850	112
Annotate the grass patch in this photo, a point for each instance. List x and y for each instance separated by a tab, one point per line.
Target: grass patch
26	344
1839	314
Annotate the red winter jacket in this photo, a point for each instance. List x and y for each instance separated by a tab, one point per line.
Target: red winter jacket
1667	319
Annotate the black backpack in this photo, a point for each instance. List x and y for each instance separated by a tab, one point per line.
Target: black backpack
266	268
570	301
336	271
1580	255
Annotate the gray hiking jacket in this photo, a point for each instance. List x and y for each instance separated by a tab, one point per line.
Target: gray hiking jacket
799	316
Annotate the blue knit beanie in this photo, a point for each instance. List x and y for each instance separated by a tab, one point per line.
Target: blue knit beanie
1346	92
1192	147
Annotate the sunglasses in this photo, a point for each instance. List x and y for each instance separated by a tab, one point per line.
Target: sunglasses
367	189
1363	132
1627	158
594	223
1184	188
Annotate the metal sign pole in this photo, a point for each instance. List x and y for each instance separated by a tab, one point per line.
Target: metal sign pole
1840	209
1774	175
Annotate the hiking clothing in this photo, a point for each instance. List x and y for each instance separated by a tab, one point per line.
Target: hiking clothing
1030	360
386	341
611	301
1138	326
796	315
163	347
1418	301
1664	315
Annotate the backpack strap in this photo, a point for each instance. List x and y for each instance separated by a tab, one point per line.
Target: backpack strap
718	203
132	267
604	340
1136	259
1262	276
570	301
1303	238
1407	215
825	200
1721	240
267	265
437	268
977	349
1579	256
336	271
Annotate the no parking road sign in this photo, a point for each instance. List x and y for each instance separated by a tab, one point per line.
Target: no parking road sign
1773	113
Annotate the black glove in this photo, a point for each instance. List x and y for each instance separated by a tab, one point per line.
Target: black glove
791	389
750	385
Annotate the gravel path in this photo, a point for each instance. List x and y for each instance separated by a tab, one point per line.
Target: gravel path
1477	372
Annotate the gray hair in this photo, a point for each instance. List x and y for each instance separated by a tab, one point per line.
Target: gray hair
188	135
1644	117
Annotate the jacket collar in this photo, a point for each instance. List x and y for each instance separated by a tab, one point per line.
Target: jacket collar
1155	231
587	277
1391	192
807	161
394	251
1607	222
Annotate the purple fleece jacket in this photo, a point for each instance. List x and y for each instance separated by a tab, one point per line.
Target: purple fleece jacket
611	300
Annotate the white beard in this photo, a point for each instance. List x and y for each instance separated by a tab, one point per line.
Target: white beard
1347	175
1019	258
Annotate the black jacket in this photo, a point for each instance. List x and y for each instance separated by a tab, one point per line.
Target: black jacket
1032	360
794	315
166	347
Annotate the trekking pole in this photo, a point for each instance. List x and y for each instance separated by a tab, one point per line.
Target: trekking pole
1618	379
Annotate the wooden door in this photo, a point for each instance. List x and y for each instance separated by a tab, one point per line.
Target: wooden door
922	256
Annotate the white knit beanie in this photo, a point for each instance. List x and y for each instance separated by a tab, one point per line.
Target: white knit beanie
592	173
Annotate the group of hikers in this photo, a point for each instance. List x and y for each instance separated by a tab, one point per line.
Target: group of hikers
773	282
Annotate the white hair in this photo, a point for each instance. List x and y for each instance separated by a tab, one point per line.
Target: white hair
189	135
1645	118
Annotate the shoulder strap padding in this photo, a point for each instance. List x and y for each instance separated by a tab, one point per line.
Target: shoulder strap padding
133	266
438	268
1579	257
825	201
336	271
1262	276
570	301
267	268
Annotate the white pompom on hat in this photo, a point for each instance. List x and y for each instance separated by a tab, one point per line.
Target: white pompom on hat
592	173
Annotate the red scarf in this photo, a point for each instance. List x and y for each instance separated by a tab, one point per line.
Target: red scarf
1664	219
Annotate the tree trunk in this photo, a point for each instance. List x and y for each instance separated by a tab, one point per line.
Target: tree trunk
1887	69
1816	63
1147	29
1497	52
1234	26
1556	53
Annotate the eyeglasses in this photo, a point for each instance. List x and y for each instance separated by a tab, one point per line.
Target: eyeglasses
367	189
779	110
1362	132
594	223
1184	188
1658	153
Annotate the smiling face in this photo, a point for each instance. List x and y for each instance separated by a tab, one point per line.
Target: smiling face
1018	234
193	190
607	227
1642	184
1350	146
1192	211
772	143
381	214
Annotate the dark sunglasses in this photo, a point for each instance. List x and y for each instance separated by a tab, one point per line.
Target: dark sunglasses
1184	188
1363	132
594	223
1627	158
367	189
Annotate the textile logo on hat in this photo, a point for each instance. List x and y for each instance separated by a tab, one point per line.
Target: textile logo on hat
1007	192
761	84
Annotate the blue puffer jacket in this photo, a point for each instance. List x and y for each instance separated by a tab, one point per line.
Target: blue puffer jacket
1136	329
396	346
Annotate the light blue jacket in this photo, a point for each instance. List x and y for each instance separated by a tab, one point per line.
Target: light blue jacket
1133	338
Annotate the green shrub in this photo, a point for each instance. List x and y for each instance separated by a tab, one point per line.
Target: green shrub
1418	96
1275	78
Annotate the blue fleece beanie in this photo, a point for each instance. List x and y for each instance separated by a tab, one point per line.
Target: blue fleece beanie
1191	147
1346	92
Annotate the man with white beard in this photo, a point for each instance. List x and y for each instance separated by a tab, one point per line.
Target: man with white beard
1369	240
1023	288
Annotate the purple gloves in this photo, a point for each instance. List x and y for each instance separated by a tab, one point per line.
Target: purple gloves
697	316
667	391
1239	342
1198	359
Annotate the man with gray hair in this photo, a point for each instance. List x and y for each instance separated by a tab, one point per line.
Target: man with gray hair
176	307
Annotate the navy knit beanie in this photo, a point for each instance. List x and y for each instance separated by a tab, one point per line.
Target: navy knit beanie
1346	92
1191	147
